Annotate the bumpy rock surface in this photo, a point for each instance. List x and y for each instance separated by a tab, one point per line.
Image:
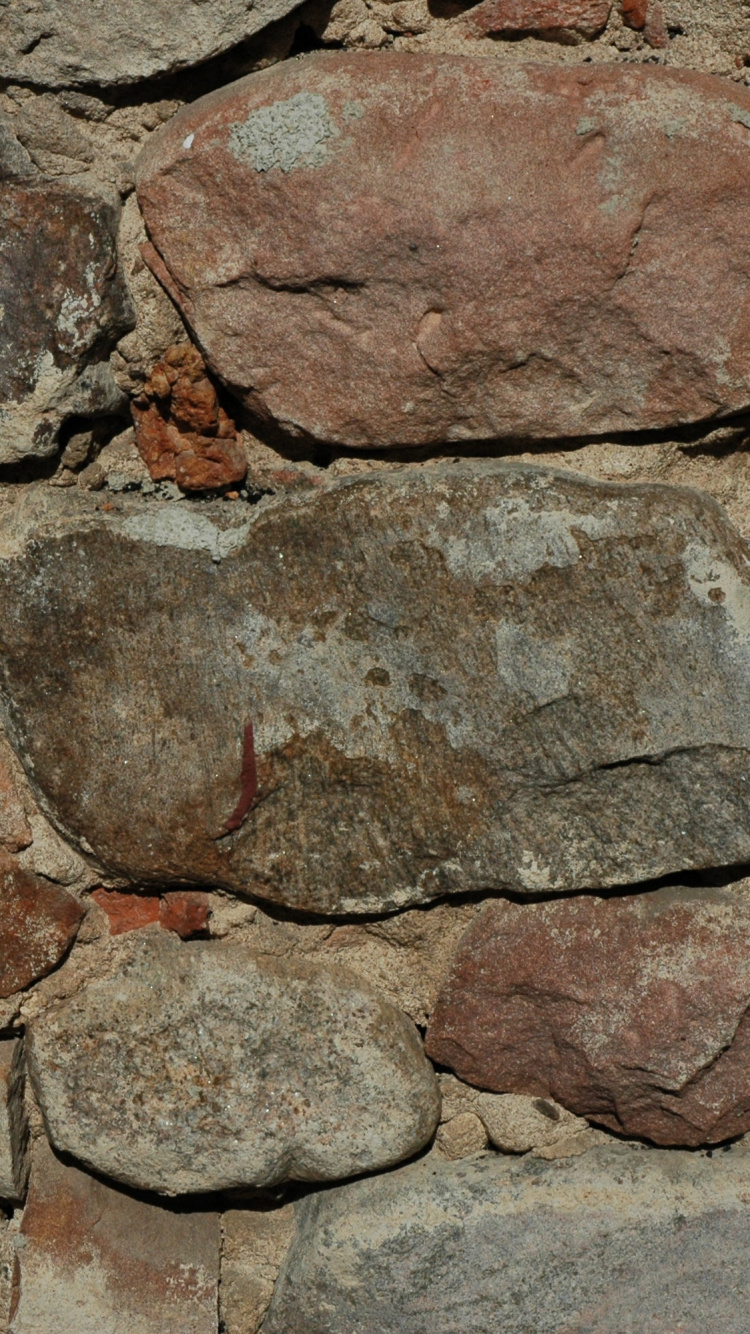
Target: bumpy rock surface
38	924
63	303
617	1240
181	430
631	1011
431	681
247	1071
91	1260
13	1128
383	249
47	43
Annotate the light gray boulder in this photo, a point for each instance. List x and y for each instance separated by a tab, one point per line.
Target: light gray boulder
199	1067
621	1241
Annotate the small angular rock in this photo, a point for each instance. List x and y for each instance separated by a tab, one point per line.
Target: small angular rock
587	17
91	1260
64	305
182	432
618	1240
630	1011
382	249
47	44
13	1127
386	689
127	912
255	1242
245	1072
38	924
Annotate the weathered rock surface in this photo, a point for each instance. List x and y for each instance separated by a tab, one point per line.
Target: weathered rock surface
182	432
389	689
91	1260
254	1243
618	1240
64	304
385	249
48	44
13	1127
512	1122
38	924
551	17
248	1071
631	1011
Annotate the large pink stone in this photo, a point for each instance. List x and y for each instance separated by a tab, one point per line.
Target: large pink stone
631	1011
383	249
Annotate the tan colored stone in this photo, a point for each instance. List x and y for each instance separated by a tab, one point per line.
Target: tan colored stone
353	285
462	1136
198	1067
517	1124
91	1260
15	831
255	1242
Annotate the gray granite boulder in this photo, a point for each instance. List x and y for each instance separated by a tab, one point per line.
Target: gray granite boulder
385	689
199	1067
51	44
620	1241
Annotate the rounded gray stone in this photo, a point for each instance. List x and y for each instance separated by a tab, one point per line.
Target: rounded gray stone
200	1067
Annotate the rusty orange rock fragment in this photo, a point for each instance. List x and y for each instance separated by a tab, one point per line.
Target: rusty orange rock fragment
185	912
634	13
587	17
182	432
38	924
127	912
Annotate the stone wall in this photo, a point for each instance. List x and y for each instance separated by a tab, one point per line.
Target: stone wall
374	667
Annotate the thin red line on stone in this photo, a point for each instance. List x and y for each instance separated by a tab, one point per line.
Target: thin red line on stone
248	783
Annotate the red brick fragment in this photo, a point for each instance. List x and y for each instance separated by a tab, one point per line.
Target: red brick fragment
127	912
185	912
655	29
587	17
38	924
182	432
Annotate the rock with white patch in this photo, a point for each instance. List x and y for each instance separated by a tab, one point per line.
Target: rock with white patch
202	1067
386	688
47	44
63	304
385	249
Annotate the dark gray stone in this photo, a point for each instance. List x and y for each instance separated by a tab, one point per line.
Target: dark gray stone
64	304
620	1241
387	688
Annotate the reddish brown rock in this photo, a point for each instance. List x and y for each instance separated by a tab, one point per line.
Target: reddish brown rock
586	17
380	249
127	912
185	912
634	13
95	1261
182	432
631	1011
38	924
